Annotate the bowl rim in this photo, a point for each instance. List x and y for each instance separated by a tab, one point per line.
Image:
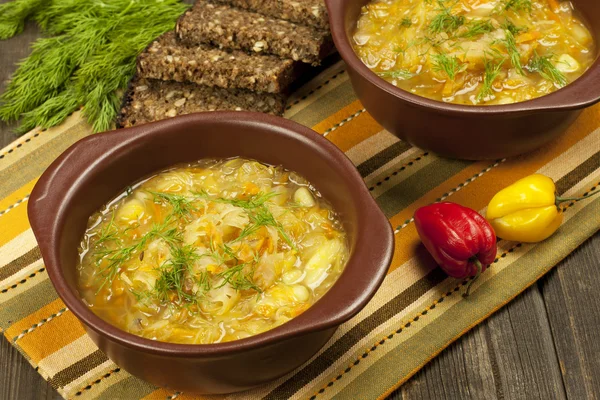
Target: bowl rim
320	316
581	93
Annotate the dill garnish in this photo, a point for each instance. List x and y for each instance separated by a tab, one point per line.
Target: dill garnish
406	22
513	52
116	257
445	21
477	28
173	275
402	74
239	277
108	233
512	28
181	206
449	65
518	5
543	66
87	56
492	70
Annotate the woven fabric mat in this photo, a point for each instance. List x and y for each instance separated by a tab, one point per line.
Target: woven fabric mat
417	312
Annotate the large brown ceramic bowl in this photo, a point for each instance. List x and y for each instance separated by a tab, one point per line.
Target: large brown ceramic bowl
460	131
97	168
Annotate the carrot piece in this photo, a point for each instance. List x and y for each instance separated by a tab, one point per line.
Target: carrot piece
527	36
554	6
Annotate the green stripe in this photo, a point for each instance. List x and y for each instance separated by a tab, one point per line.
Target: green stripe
411	189
28	302
488	297
33	164
325	106
128	388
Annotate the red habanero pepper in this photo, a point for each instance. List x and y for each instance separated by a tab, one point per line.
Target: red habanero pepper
460	240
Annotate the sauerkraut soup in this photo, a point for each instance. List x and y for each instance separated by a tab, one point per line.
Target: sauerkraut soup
475	52
210	252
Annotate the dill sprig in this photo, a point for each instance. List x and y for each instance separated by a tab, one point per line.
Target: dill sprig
173	275
512	28
543	66
449	65
239	277
406	22
477	28
492	70
402	74
445	21
181	206
513	52
518	5
87	60
116	257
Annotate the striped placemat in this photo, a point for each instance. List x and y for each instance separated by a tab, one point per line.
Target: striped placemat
417	312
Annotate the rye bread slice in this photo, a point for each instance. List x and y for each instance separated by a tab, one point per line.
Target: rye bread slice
149	100
233	28
303	12
169	59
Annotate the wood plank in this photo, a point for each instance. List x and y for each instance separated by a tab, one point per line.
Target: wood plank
18	380
509	356
571	297
542	345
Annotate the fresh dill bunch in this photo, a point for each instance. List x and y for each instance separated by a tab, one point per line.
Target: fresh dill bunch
445	21
513	51
86	61
449	65
477	28
492	70
544	66
518	5
402	74
14	14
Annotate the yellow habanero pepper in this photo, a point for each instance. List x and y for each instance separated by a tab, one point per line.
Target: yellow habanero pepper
527	211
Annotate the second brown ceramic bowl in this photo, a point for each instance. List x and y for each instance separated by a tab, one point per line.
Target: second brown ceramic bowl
460	131
99	167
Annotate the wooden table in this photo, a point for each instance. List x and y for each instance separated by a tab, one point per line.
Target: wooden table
543	345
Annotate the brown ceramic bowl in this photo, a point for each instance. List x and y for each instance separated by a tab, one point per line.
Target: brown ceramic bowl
99	167
460	131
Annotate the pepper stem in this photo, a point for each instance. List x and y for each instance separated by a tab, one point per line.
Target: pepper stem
563	199
479	268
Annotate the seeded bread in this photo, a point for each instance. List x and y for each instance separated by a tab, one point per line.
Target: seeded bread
150	100
304	12
168	59
234	28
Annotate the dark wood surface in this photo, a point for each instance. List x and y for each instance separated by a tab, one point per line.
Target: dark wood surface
543	345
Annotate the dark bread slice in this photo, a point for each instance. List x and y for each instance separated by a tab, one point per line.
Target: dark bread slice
303	12
169	59
149	100
234	28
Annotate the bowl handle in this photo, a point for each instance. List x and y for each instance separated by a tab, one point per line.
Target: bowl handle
46	199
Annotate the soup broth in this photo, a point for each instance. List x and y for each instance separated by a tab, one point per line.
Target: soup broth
210	252
474	52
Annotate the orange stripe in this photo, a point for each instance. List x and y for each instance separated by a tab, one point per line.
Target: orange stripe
26	323
13	220
352	132
51	337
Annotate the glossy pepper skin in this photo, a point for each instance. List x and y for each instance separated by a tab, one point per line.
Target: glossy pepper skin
460	240
526	211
